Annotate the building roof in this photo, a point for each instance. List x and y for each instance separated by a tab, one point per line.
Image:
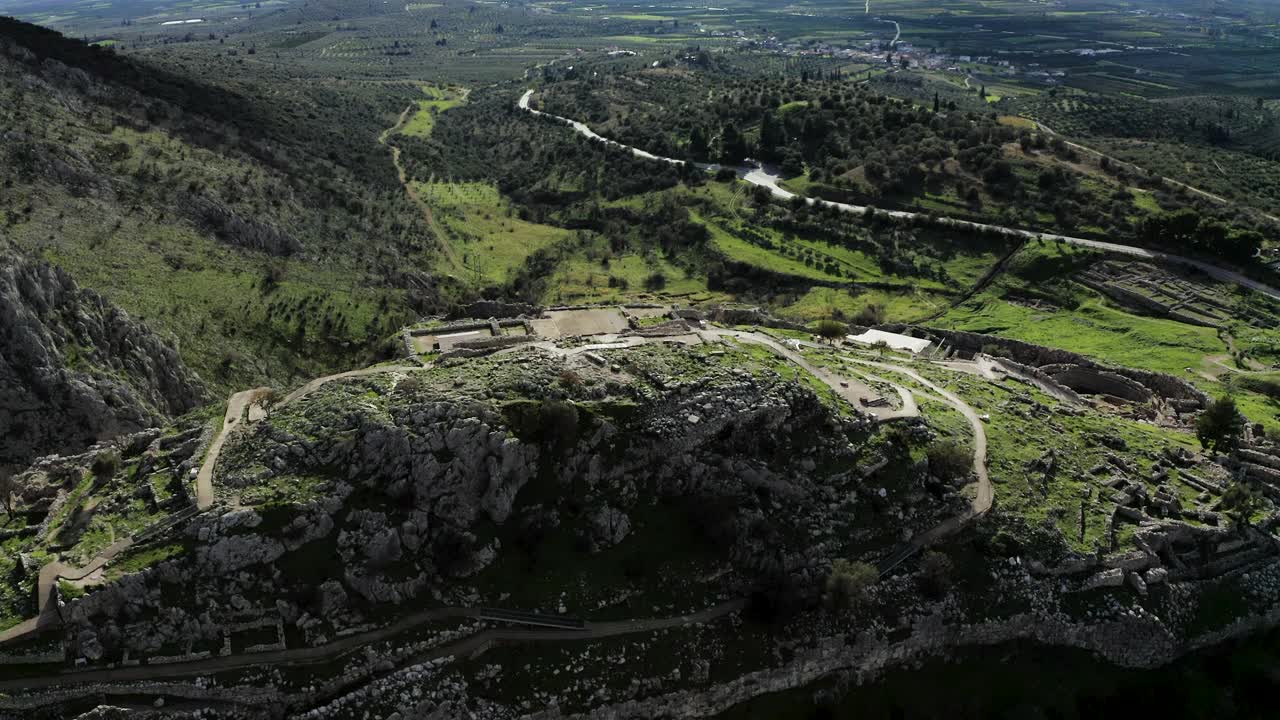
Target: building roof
893	340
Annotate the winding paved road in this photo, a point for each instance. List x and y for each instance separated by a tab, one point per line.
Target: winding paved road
769	178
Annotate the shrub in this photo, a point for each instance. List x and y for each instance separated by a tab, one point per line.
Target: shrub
871	314
996	350
1242	501
106	464
936	572
849	584
949	460
901	436
558	421
831	329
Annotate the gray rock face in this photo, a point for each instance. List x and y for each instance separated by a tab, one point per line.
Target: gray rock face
608	527
239	551
330	597
235	229
74	369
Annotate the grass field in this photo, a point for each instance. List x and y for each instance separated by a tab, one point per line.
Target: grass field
898	306
737	249
483	229
1095	329
424	118
581	280
213	300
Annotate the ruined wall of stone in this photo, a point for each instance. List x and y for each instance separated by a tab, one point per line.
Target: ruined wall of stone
1131	641
1164	385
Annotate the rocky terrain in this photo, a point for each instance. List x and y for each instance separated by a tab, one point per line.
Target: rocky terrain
75	370
724	523
411	485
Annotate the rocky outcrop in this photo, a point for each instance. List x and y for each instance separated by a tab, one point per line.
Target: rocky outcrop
75	369
233	228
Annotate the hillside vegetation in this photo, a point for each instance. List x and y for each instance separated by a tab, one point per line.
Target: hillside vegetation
242	236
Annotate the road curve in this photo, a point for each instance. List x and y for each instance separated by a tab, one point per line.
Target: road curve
985	496
982	500
852	391
768	178
230	421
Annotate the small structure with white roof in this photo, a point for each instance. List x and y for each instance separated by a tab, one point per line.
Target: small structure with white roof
894	340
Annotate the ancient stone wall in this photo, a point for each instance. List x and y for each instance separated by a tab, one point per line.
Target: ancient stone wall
1164	385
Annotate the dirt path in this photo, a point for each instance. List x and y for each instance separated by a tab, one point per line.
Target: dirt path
206	496
906	397
50	575
768	177
385	139
320	382
57	570
855	392
983	498
236	407
850	390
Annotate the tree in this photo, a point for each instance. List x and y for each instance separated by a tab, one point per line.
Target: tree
772	135
948	460
849	584
936	570
792	163
1242	500
733	146
106	464
831	329
698	147
1220	425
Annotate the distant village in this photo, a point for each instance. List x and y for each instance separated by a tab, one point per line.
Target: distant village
904	54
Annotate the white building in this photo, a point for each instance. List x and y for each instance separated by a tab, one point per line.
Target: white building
894	340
